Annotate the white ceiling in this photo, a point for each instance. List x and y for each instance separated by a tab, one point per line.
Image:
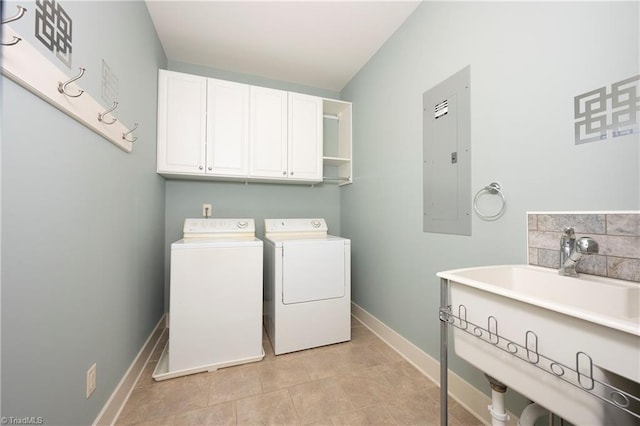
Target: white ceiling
320	44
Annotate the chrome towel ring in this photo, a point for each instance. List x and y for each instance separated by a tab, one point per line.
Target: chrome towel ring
493	188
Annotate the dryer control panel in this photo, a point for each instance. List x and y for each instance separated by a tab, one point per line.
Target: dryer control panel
313	225
211	228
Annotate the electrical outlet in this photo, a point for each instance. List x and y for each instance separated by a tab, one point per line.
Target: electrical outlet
92	379
206	210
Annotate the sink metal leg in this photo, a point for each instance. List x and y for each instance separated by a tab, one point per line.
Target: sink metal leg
444	337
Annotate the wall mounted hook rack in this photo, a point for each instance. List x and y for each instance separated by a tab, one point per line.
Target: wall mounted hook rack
27	67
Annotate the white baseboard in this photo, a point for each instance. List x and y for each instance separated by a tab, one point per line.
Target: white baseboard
460	390
111	410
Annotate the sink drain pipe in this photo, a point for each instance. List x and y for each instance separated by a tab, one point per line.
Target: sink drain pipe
499	414
531	413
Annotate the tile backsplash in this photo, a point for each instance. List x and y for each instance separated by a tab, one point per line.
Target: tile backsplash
617	234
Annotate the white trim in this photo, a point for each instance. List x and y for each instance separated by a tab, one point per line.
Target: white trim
460	390
111	410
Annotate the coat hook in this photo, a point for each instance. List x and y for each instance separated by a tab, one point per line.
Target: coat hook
21	11
62	87
124	135
101	115
13	42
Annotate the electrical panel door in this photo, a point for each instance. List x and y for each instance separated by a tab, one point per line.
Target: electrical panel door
447	156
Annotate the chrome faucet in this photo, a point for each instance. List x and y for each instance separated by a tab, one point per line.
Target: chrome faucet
572	250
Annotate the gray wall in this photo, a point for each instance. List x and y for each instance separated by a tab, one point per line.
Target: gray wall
82	223
254	200
528	62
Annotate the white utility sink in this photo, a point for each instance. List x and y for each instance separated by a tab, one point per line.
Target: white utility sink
587	323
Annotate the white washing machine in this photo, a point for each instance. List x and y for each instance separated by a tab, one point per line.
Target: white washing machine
215	302
307	285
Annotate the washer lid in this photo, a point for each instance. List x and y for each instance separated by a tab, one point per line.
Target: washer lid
204	243
218	228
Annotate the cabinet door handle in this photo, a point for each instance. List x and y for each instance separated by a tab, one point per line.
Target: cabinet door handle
200	167
210	168
284	173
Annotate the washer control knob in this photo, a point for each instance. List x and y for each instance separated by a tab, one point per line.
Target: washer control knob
243	224
315	223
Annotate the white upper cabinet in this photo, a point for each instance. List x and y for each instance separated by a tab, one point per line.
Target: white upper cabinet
182	126
203	126
227	128
268	134
286	135
217	129
305	137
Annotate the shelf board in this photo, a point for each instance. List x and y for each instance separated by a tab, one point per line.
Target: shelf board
337	180
335	107
335	161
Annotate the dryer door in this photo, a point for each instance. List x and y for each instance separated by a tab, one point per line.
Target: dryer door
312	270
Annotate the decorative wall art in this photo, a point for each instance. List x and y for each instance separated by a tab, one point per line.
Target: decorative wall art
54	29
601	114
109	84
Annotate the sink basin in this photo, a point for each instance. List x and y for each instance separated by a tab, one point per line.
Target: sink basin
605	301
589	324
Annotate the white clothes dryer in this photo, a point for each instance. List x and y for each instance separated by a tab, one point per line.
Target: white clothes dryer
307	281
215	301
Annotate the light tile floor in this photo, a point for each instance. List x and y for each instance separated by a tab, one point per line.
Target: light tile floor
361	382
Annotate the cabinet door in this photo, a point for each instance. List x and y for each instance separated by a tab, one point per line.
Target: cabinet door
227	128
268	135
305	137
182	111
